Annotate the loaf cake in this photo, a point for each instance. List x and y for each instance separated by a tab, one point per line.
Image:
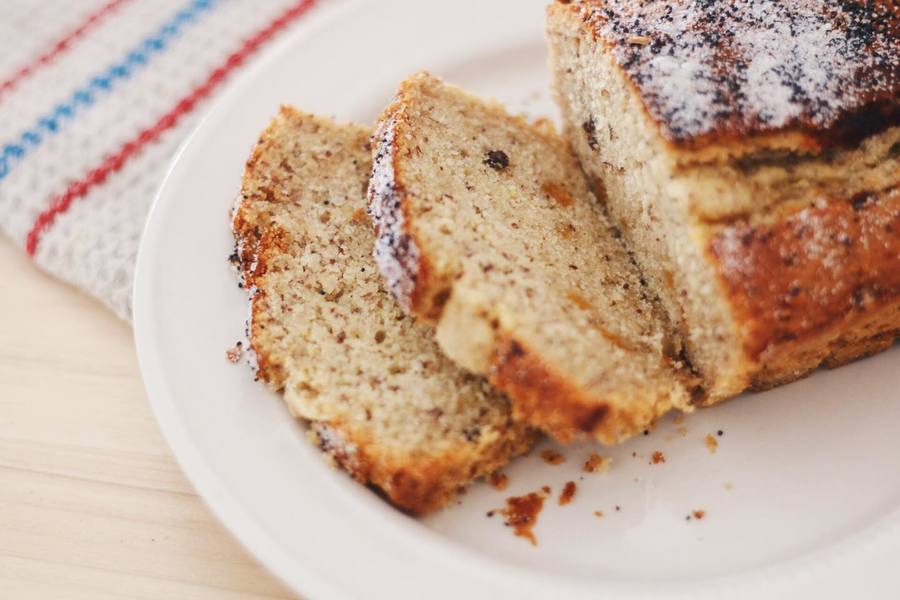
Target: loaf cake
380	397
488	229
749	152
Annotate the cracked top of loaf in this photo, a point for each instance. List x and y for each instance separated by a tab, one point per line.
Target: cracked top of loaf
828	70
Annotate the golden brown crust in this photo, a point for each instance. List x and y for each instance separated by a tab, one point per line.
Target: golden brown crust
270	244
867	335
858	342
562	409
543	396
811	74
425	485
804	287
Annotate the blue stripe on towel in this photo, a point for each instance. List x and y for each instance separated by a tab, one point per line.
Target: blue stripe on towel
87	95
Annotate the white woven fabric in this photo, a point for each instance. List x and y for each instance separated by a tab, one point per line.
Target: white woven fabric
94	243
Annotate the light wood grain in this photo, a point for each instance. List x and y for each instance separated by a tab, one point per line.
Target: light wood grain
92	504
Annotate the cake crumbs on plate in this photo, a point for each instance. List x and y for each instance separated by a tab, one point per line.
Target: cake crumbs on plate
598	514
711	444
235	353
597	464
521	513
499	481
728	486
657	458
568	493
679	420
552	457
682	431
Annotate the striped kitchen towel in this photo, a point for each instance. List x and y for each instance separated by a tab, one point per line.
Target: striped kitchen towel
95	97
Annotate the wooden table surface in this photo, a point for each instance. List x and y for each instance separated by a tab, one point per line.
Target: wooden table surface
92	504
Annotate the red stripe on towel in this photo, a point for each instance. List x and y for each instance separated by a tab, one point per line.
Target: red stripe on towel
61	45
115	161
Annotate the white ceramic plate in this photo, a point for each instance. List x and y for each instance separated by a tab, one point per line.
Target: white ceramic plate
800	500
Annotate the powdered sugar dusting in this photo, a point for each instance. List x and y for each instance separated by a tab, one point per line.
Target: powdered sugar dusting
336	444
758	65
396	253
245	260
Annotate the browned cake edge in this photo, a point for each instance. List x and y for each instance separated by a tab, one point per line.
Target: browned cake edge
818	286
418	487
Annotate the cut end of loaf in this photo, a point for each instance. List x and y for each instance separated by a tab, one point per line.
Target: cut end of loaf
772	255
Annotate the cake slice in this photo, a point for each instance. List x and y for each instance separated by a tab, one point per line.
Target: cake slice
380	397
488	229
750	154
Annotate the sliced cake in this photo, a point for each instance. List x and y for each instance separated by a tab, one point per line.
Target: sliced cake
488	229
379	395
749	152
